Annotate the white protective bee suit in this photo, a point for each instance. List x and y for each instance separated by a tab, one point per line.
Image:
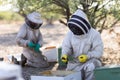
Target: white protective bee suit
27	34
89	43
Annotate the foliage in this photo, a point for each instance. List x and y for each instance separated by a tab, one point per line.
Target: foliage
26	6
7	15
98	11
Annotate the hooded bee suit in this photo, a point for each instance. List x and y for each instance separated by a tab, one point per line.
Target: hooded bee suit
82	39
29	32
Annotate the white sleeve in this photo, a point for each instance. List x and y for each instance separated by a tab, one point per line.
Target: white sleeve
20	39
66	45
97	47
40	39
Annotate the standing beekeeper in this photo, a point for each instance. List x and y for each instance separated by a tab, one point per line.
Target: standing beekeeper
84	44
30	38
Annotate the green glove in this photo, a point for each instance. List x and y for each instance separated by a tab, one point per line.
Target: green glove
37	46
31	45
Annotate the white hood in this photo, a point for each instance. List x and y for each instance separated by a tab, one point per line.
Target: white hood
80	20
35	17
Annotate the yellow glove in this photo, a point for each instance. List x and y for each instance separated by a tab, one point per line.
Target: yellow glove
82	58
64	58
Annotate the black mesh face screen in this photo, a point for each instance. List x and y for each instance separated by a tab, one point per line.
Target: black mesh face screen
32	24
76	30
37	26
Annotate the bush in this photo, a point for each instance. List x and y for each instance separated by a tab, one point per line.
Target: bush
10	16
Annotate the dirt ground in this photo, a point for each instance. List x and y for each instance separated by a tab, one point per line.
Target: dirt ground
53	35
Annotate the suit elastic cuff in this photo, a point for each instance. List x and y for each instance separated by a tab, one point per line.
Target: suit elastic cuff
88	56
26	43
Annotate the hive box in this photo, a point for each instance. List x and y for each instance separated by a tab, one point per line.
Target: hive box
51	53
58	75
107	73
10	72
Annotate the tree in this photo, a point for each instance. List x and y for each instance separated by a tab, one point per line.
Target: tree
98	11
27	6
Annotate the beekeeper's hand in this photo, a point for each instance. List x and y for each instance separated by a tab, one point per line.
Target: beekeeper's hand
36	48
31	45
83	58
64	58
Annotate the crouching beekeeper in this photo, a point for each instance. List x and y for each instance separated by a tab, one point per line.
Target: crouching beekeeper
83	44
30	38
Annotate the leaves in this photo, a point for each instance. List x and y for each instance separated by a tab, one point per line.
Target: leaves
96	10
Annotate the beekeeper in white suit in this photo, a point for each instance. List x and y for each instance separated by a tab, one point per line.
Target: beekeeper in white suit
30	38
84	44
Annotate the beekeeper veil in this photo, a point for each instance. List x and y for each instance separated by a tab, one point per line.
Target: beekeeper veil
33	20
78	23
